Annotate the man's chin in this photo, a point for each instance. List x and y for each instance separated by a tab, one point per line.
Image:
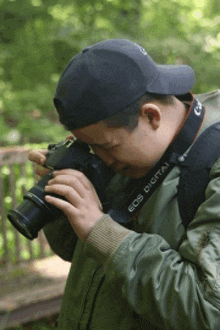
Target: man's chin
134	173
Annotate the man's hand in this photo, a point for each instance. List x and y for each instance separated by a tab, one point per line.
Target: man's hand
38	157
82	205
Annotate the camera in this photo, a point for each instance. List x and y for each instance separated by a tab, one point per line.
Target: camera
34	212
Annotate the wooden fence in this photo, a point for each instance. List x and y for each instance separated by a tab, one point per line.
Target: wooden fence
32	278
9	158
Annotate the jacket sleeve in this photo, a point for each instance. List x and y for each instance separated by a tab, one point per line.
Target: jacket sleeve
171	289
61	237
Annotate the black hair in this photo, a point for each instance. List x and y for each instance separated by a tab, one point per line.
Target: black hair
128	117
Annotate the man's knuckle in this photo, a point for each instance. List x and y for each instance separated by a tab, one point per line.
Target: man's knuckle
68	208
69	192
73	180
80	175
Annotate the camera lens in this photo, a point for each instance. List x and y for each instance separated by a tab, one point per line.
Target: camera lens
17	219
26	218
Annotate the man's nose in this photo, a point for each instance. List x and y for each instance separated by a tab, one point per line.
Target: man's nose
105	157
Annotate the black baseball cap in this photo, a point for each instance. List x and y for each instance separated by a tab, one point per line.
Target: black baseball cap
105	78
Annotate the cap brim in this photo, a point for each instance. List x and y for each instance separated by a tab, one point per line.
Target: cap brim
173	80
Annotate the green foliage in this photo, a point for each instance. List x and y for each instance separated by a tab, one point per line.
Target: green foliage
38	38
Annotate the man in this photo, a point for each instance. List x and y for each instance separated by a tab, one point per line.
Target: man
152	273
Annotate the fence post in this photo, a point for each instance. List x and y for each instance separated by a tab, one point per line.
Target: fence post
6	258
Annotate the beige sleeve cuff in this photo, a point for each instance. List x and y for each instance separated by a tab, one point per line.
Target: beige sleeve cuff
105	238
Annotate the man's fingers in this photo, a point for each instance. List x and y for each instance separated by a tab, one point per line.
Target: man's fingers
80	176
70	137
38	156
41	171
66	191
70	181
64	206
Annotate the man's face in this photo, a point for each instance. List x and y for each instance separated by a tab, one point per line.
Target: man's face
131	153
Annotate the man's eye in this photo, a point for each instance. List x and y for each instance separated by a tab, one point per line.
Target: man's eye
110	147
103	147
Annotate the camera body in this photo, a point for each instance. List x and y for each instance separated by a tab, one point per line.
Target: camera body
34	212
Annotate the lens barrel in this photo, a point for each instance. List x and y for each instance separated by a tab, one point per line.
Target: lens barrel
30	216
34	212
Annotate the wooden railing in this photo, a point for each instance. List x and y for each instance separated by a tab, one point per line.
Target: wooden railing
22	250
32	278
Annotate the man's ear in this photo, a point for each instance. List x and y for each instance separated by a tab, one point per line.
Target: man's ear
152	113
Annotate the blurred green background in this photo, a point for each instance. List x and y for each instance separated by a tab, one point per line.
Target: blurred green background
38	38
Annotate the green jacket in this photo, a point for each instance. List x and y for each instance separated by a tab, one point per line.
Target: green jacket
154	275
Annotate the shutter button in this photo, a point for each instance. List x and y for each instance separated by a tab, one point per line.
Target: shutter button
181	159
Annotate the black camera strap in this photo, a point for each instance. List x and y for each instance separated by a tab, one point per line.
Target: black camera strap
174	155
